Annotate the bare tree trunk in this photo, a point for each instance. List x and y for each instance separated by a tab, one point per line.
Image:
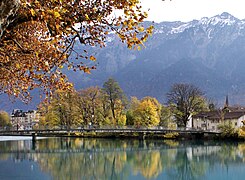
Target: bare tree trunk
8	9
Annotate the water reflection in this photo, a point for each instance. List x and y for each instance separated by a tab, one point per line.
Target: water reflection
68	158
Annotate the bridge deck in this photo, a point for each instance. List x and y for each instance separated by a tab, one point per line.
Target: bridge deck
53	132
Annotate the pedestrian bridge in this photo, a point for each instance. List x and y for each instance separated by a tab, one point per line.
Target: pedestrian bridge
115	131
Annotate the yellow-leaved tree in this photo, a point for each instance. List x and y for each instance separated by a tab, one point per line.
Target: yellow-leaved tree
241	130
37	38
146	112
61	112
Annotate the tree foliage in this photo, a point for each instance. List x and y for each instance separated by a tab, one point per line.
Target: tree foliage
91	106
241	132
228	130
61	111
134	103
115	96
186	100
145	112
37	38
166	117
4	119
97	107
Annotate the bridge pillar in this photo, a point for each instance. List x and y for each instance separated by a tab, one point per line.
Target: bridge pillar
34	136
142	136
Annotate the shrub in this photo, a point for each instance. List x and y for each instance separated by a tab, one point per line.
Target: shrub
227	130
241	132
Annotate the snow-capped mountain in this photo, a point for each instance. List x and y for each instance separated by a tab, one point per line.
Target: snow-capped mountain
209	53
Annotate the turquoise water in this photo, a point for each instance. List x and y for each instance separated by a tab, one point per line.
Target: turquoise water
74	158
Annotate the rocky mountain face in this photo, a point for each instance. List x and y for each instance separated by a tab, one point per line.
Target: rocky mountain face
209	53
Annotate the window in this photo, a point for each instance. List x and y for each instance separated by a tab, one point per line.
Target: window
203	125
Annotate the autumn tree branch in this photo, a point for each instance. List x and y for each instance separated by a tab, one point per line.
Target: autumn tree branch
8	10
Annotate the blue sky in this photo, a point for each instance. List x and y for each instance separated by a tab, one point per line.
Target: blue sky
187	10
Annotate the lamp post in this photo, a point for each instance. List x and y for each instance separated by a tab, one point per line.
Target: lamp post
92	120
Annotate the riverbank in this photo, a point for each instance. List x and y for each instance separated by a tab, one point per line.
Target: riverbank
137	135
18	138
117	133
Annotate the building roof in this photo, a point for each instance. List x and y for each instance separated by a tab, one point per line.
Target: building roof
227	113
18	113
217	114
21	113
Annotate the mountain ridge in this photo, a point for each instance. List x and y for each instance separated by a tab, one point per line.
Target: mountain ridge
217	43
207	52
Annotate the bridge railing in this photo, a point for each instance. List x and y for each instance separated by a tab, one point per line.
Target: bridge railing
124	129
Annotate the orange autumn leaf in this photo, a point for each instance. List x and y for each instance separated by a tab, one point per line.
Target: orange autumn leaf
37	39
92	58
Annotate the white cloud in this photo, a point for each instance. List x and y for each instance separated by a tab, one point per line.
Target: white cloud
186	10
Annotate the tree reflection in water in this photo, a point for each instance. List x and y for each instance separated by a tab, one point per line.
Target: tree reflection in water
70	158
185	168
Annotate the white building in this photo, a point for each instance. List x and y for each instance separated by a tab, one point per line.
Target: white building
24	120
211	120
